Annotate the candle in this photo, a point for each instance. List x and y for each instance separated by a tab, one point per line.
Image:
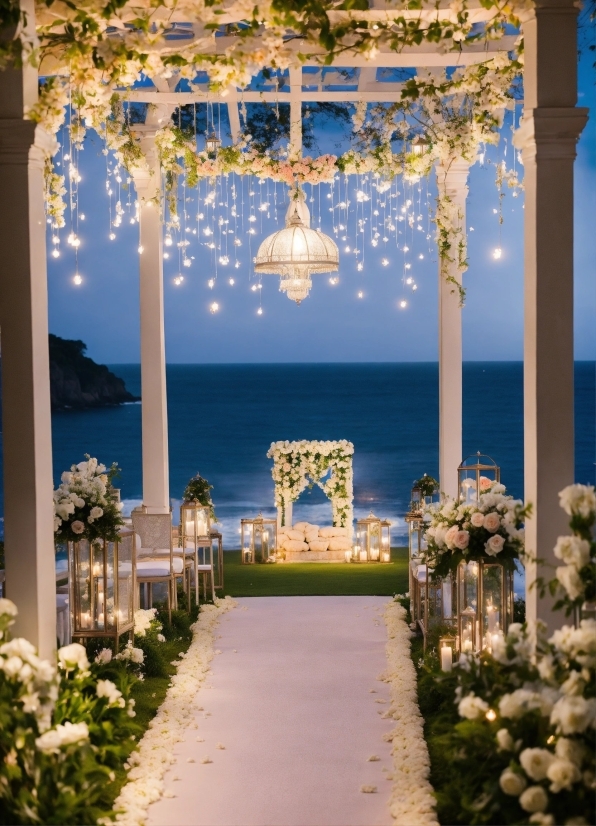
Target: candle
201	527
385	556
190	527
446	658
362	556
493	618
447	605
374	554
348	555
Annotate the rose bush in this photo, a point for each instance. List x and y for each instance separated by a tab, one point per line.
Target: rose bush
84	505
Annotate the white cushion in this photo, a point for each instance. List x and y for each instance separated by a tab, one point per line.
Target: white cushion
162	552
296	534
203	568
301	526
319	544
294	545
312	536
326	533
157	567
339	543
421	573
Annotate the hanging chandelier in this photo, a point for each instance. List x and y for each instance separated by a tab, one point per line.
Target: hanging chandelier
297	251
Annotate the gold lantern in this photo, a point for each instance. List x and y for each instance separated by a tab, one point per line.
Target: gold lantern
212	143
102	581
476	475
217	555
368	539
484	603
447	652
258	538
195	523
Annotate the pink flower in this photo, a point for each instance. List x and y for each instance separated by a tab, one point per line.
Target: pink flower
492	522
78	526
494	545
461	540
450	536
485	483
477	519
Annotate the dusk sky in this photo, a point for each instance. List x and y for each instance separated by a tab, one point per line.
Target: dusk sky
333	323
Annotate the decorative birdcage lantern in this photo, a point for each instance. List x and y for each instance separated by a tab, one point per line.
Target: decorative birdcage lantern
102	581
484	603
195	523
476	475
385	540
212	143
259	539
368	539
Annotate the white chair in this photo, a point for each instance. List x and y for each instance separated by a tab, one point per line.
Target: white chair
156	560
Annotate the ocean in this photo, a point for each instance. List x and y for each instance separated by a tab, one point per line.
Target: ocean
223	418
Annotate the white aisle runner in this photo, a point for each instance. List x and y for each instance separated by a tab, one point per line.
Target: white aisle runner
295	701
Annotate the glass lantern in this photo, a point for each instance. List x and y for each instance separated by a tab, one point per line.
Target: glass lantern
447	652
476	475
368	539
385	540
195	523
217	556
102	580
484	603
259	539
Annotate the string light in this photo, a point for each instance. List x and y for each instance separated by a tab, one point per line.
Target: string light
497	252
260	311
385	262
112	236
55	253
360	295
178	280
214	307
231	282
403	304
77	279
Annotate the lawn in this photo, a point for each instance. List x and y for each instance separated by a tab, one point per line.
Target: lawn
316	579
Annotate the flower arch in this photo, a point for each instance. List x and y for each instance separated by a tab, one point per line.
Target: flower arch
296	465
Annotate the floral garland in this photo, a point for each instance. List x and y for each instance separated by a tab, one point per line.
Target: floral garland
294	463
412	802
148	765
84	507
489	529
529	709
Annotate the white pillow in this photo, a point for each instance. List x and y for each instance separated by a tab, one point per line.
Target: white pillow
340	543
340	531
326	533
281	531
295	534
319	544
301	526
312	536
294	545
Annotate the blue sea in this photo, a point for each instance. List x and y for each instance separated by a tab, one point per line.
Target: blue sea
223	418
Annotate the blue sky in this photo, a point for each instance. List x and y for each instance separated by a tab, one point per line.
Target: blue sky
333	324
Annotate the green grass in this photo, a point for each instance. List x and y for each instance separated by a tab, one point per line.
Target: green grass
316	579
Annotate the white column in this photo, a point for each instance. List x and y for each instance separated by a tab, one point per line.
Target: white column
452	181
156	486
548	136
26	422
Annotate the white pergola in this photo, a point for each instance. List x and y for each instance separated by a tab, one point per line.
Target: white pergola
551	126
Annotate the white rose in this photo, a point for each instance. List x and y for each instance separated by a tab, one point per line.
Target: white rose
573	715
73	656
492	522
574	684
11	667
504	741
461	540
8	608
573	550
96	513
534	799
512	783
535	762
78	526
571	581
562	774
578	499
450	536
477	519
107	689
19	647
472	707
572	750
494	545
49	742
104	657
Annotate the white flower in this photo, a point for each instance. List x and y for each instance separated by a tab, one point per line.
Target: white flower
562	774
104	657
573	551
78	526
578	499
107	689
504	740
96	513
512	783
534	799
461	540
570	580
535	762
73	656
472	707
519	702
573	715
568	749
62	735
494	545
477	519
161	638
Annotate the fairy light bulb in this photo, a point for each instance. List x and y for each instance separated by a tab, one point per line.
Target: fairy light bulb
77	280
112	236
166	255
141	249
168	240
497	253
385	262
231	282
260	311
56	253
403	304
360	295
214	307
211	283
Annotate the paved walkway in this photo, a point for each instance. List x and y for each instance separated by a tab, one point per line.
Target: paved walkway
295	702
